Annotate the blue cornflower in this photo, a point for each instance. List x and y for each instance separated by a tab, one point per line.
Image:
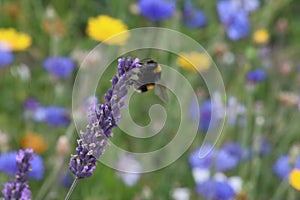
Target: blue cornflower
205	120
193	18
214	189
247	5
229	156
6	58
239	27
264	147
37	165
31	104
283	166
53	115
256	75
204	163
205	115
234	19
226	158
157	10
61	67
234	149
8	165
66	179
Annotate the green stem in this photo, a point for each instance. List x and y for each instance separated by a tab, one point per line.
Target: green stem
71	188
281	190
54	175
256	161
246	135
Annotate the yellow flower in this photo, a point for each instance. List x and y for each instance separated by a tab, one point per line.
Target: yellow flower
294	179
14	40
194	61
261	36
34	141
103	27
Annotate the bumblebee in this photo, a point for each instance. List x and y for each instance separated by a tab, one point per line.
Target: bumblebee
149	77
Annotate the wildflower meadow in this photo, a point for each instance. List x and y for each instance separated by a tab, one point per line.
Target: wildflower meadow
150	100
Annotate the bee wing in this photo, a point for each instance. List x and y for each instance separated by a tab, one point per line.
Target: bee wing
161	92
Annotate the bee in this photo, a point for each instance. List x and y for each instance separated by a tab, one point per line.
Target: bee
149	77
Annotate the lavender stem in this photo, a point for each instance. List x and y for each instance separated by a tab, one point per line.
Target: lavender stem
71	188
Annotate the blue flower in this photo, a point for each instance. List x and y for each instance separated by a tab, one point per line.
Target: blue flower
226	158
225	161
157	10
6	58
61	67
53	115
265	147
239	27
229	156
37	165
247	5
193	18
66	180
205	115
235	150
234	19
213	189
283	166
256	75
205	162
31	104
8	165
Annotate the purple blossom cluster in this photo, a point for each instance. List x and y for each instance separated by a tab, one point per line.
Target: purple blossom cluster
93	141
18	187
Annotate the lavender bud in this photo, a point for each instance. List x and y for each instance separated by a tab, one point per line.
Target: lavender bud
18	187
101	121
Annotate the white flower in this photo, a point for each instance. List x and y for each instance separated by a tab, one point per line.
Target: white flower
181	194
130	169
200	174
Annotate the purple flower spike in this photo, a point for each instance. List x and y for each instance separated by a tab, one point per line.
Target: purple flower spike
83	163
101	121
18	187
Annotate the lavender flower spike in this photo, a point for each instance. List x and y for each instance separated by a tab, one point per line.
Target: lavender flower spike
18	187
101	121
